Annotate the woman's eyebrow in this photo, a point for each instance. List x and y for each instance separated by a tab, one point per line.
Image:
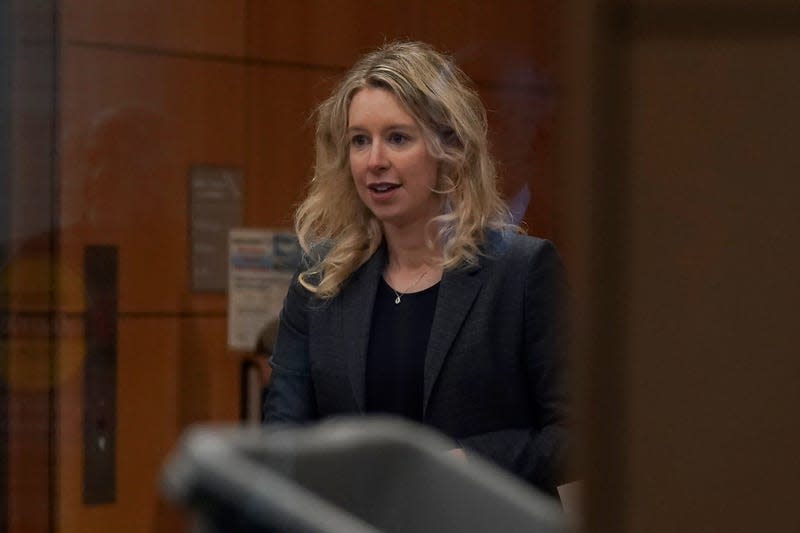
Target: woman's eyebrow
404	125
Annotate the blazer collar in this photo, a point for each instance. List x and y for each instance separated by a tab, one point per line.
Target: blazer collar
358	299
457	291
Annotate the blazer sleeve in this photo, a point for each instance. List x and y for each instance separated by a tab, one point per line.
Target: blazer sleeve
538	453
291	392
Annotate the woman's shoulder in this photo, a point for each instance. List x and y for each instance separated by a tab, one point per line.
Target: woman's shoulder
510	243
523	257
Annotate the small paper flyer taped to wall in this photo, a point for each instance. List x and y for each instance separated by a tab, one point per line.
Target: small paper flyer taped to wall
261	264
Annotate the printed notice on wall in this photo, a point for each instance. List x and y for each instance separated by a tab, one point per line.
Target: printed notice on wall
260	267
215	196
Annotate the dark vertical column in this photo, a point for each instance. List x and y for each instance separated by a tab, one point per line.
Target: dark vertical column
53	19
28	79
100	375
6	170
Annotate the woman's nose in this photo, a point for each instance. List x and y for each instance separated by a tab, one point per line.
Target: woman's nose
378	162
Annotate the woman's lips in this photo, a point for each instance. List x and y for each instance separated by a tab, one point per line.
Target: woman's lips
382	192
382	187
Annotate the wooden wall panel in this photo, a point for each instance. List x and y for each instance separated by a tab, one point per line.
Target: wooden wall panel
681	153
713	284
28	371
148	425
521	122
133	126
332	33
508	41
209	375
178	25
282	139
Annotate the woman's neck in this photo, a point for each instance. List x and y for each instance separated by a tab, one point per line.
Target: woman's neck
411	265
408	250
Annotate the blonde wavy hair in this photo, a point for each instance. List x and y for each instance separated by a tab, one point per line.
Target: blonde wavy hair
443	100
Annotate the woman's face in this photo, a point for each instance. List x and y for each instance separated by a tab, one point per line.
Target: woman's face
392	169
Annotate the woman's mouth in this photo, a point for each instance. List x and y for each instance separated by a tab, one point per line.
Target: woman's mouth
382	187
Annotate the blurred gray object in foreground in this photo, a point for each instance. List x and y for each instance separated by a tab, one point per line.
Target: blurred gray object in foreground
353	475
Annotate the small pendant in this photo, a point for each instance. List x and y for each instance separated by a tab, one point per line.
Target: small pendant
397	300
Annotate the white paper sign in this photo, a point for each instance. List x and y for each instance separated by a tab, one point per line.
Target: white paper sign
260	267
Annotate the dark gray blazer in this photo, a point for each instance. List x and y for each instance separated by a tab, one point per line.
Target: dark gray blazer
492	370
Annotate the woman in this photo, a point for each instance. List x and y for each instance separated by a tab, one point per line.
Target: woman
417	297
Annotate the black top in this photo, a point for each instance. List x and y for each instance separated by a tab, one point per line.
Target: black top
398	340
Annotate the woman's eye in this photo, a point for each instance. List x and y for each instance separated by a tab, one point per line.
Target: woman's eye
398	138
359	140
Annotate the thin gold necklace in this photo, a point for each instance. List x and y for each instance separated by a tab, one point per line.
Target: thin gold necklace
399	294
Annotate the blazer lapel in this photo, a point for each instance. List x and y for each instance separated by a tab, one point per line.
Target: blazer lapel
457	292
358	299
